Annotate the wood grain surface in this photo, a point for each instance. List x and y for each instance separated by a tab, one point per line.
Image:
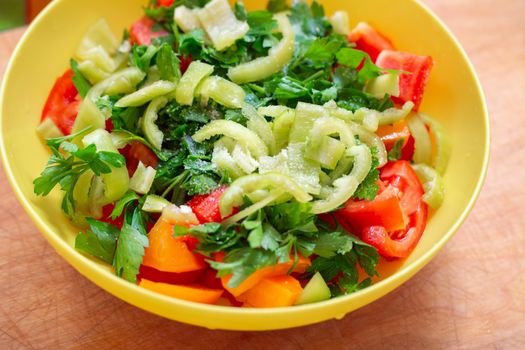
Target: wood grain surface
471	296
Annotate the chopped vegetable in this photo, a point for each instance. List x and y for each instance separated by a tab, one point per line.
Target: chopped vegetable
195	293
432	184
263	67
220	23
369	40
315	290
195	73
411	86
263	151
168	253
273	292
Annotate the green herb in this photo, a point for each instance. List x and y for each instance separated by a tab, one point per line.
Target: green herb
397	151
168	63
99	241
81	83
123	203
274	234
65	170
368	188
130	248
142	56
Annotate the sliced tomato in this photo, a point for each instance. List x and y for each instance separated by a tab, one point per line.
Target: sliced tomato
411	86
185	63
385	210
137	152
106	216
398	244
408	149
367	39
206	207
165	3
395	220
63	103
401	176
141	32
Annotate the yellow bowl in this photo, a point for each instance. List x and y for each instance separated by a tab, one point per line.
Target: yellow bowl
453	96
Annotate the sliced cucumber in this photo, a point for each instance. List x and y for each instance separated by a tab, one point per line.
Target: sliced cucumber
316	290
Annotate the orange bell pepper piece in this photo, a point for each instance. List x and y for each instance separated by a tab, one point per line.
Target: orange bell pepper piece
167	253
273	292
390	134
192	292
268	271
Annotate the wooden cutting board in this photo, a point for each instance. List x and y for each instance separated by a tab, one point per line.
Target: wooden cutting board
471	296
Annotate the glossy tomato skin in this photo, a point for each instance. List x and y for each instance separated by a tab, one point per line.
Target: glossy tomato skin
137	152
165	3
367	39
401	176
141	32
385	210
206	207
63	103
411	86
395	220
398	244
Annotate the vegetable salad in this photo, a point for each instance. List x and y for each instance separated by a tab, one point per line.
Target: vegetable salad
244	158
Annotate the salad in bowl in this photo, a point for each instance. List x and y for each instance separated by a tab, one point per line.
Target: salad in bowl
244	158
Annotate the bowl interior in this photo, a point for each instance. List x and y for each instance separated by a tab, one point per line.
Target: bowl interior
453	96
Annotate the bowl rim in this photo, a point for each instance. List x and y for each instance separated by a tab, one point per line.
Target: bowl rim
92	271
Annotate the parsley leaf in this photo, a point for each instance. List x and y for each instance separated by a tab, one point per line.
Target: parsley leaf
99	241
81	83
397	151
168	63
130	248
65	170
368	188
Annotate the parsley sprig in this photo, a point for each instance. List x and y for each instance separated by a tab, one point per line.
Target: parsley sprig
68	162
280	233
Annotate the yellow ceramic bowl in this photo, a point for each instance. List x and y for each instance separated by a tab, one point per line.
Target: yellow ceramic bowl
453	96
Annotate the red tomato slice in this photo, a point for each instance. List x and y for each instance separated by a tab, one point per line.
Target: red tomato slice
62	103
401	176
411	86
206	207
141	32
185	63
106	213
395	220
367	39
385	210
165	3
402	243
137	152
